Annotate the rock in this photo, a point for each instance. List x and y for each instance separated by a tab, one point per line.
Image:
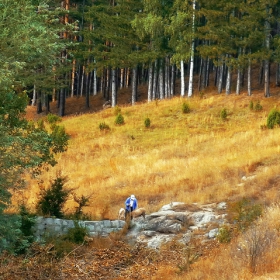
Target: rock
213	233
222	206
201	218
170	206
179	221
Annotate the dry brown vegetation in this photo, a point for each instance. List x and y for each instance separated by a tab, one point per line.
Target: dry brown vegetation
194	157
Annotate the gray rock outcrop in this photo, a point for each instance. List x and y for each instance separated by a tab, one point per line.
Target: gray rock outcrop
179	221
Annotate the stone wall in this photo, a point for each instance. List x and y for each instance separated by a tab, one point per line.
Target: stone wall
45	227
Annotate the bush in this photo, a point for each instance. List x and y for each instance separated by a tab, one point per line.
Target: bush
119	119
60	139
52	200
104	126
224	235
251	105
76	234
273	118
258	106
223	114
185	108
244	212
147	122
52	119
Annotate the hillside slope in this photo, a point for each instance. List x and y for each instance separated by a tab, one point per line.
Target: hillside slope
197	157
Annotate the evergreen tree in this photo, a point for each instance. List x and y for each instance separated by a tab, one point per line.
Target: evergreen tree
26	43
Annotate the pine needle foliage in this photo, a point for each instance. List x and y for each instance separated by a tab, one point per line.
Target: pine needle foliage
52	199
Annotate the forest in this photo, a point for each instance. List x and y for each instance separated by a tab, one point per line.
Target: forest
84	48
207	75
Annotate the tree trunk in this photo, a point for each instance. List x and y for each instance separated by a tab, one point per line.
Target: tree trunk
150	82
238	81
82	81
114	88
134	85
167	77
47	101
33	101
183	87
73	77
228	83
122	78
62	102
173	79
94	82
267	62
190	89
161	80
220	79
155	81
249	78
39	102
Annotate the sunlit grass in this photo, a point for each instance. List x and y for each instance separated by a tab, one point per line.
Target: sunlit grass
194	157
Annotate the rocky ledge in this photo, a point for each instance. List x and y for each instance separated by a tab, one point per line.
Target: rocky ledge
178	221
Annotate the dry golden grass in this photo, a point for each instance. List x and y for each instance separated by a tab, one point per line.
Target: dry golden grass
195	157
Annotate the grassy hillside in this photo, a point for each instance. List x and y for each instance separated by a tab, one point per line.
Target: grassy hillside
194	157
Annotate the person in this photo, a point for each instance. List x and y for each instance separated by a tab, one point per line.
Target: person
130	205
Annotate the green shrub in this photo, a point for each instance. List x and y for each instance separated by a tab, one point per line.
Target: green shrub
104	126
224	234
273	118
119	119
52	119
185	108
60	139
258	106
244	212
147	122
223	114
82	201
52	200
76	234
251	105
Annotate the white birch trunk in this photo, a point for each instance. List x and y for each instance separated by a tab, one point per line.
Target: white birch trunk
94	82
33	103
161	80
249	78
190	89
183	87
167	78
150	82
238	81
228	83
155	81
122	78
220	81
114	88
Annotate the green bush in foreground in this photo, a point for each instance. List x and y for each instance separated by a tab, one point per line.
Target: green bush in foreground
147	122
273	118
185	108
119	119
